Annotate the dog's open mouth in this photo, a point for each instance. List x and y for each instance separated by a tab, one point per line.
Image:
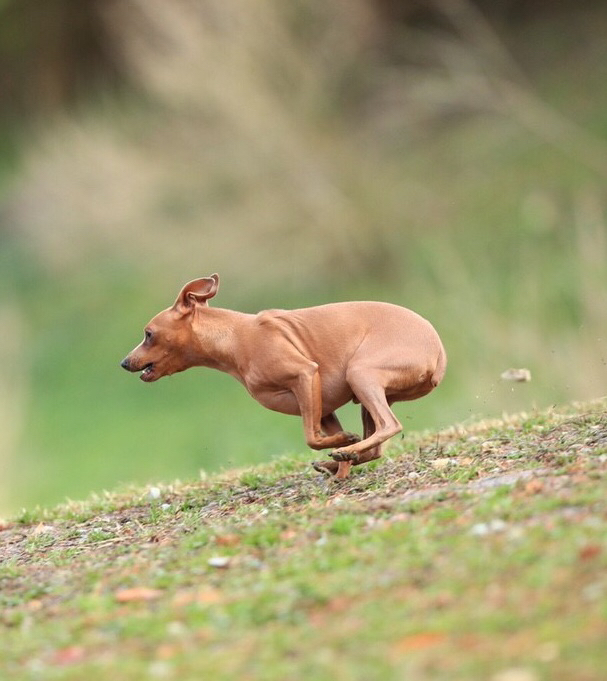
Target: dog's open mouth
147	373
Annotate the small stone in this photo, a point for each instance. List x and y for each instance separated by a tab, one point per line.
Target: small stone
479	530
154	493
219	561
492	527
413	475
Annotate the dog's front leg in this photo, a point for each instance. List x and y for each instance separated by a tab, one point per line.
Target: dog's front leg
308	392
331	426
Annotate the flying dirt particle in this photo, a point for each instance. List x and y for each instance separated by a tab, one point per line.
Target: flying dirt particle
516	375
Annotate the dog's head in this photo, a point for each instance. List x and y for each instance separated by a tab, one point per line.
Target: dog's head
169	342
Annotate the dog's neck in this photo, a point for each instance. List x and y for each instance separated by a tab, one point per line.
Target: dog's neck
218	331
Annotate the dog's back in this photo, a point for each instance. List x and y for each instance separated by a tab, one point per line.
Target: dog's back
335	333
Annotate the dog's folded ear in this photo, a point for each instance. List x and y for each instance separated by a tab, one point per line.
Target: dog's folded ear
198	291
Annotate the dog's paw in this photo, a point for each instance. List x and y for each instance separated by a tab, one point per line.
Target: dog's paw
327	468
341	455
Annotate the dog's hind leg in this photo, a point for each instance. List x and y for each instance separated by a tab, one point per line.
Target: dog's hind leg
366	456
367	386
368	430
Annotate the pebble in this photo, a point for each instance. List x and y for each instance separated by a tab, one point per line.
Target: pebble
441	464
219	561
492	527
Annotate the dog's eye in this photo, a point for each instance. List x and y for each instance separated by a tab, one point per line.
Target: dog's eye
148	335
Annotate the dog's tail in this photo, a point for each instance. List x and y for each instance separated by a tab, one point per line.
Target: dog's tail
441	367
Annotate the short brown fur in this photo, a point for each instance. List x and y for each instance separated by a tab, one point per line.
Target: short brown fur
307	362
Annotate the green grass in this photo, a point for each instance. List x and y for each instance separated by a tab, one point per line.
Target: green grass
465	554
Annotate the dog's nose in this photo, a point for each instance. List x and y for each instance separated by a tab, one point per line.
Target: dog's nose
125	363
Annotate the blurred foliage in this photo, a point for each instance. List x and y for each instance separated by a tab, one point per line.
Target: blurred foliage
52	52
447	158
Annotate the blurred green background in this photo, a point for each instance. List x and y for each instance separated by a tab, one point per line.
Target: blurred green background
446	155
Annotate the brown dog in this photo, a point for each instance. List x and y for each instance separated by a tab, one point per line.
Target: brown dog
308	362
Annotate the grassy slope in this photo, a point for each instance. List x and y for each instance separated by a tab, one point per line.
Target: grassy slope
476	553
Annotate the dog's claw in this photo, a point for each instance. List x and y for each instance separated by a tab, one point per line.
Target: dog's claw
338	455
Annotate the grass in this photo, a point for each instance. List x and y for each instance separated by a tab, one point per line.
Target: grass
478	552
